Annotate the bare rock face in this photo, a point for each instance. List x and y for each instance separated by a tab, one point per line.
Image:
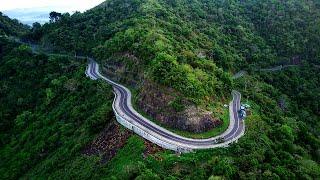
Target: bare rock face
157	101
161	103
110	140
198	120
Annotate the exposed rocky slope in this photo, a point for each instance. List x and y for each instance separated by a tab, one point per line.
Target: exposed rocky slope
165	105
110	140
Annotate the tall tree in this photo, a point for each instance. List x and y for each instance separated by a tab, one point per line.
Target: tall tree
55	16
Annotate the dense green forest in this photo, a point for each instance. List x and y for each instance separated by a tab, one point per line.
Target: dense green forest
50	111
11	27
193	39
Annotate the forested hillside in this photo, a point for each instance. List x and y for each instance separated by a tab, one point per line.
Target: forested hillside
230	33
186	44
49	110
175	56
11	27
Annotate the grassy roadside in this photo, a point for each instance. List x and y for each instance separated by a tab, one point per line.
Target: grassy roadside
208	134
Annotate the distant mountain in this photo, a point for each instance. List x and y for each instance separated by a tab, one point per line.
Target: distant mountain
29	16
41	14
11	27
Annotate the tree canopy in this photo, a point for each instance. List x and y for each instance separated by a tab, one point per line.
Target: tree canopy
50	111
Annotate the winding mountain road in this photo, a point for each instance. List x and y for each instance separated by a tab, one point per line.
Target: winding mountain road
130	118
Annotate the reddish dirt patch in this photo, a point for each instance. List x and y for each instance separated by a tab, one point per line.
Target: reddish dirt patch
151	148
108	142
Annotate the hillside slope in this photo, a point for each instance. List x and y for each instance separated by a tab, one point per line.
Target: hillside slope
49	110
232	34
188	46
11	27
174	55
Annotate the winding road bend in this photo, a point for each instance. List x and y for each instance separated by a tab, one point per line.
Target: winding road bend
130	118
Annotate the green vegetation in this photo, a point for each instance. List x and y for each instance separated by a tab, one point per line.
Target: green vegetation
11	27
125	163
49	111
166	56
208	134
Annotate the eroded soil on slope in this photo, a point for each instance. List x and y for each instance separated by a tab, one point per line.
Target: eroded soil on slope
110	140
163	104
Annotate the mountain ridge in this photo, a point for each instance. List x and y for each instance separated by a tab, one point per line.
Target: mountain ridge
185	48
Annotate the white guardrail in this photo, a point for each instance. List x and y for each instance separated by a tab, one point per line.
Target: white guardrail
158	139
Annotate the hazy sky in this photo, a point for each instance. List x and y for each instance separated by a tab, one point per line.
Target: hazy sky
62	5
30	11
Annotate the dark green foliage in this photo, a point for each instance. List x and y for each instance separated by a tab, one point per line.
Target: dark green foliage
177	104
198	78
198	35
11	27
49	112
55	16
191	46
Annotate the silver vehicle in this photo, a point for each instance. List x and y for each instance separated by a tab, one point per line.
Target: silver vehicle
242	113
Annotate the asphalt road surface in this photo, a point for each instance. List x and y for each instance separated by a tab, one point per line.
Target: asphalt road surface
124	108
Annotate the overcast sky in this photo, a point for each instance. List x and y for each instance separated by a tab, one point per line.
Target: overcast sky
62	5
